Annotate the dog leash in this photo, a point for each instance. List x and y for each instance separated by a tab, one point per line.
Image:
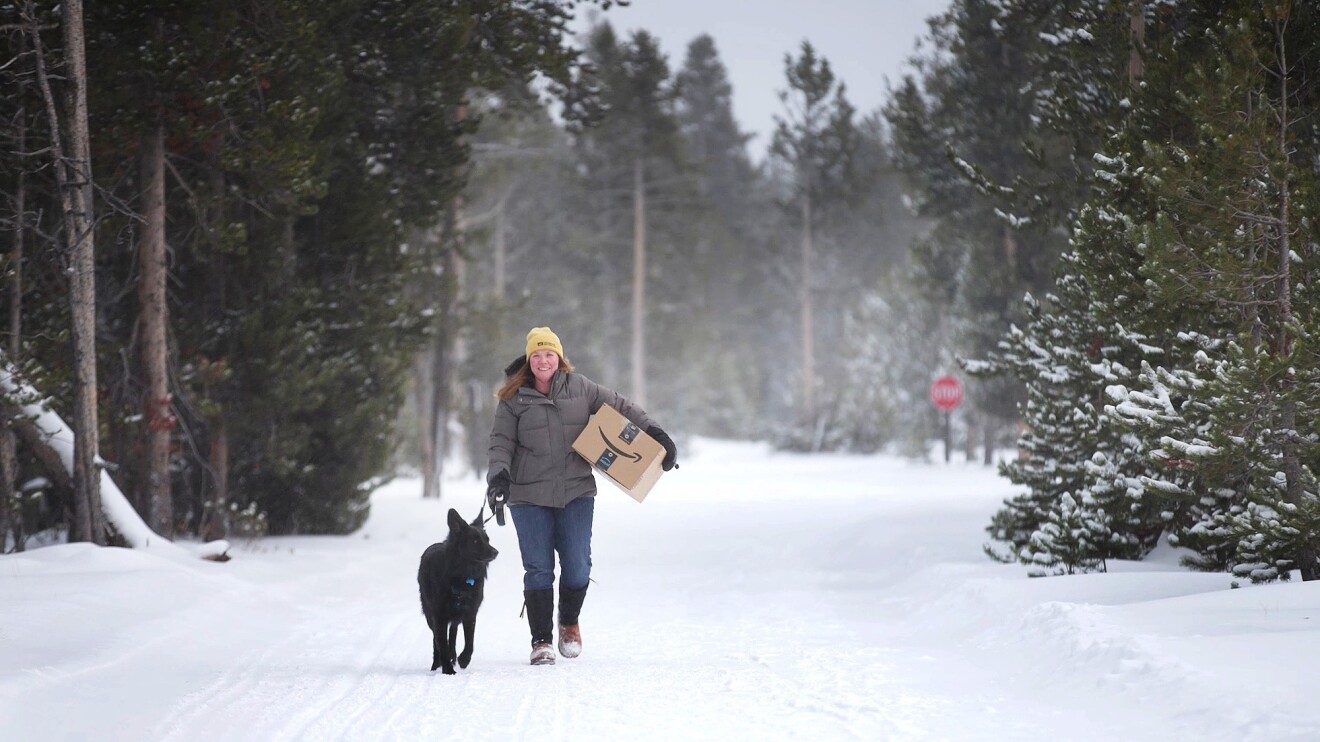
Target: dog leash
497	514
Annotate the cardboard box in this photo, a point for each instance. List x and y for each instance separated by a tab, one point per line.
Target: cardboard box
623	452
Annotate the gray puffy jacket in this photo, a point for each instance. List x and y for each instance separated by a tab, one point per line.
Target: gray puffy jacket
533	439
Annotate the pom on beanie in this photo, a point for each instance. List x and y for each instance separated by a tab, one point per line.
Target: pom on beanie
543	338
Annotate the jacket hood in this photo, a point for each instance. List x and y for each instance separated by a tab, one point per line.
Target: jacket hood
513	367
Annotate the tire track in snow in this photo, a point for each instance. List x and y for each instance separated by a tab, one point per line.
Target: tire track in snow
352	694
401	692
352	637
230	688
280	687
394	701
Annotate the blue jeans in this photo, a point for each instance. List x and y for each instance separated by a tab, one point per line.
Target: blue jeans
543	531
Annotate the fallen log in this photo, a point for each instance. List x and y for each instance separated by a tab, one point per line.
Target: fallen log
51	441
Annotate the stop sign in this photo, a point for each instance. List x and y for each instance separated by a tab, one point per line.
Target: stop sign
946	392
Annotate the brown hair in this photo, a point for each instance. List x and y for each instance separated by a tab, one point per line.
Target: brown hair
518	379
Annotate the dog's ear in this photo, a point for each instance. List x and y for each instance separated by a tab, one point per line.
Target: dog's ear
455	520
480	522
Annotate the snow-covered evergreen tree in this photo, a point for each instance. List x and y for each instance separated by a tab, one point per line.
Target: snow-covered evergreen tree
1196	252
1070	457
1071	539
1227	252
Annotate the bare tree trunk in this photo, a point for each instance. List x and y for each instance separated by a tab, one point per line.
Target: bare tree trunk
74	178
1136	40
423	385
1010	247
501	245
445	358
988	431
1292	467
457	350
638	391
158	421
20	228
216	525
86	474
215	519
9	504
1249	293
422	392
808	321
442	375
449	348
972	421
447	352
478	438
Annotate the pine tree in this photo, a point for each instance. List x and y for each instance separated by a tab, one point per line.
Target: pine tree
816	140
1069	541
1068	449
631	161
971	134
718	271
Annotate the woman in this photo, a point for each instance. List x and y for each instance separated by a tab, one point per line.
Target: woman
550	490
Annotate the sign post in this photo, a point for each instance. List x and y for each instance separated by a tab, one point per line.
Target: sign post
946	393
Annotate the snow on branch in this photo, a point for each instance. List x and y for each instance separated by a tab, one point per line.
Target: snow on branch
978	179
1065	36
1017	222
1195	448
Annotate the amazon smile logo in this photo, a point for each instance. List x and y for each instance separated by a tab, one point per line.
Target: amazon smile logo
619	451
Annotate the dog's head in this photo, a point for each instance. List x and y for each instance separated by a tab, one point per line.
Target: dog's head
470	538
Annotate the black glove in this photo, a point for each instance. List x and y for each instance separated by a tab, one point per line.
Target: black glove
497	494
671	451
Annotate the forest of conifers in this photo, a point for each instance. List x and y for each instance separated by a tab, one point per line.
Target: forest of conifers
319	230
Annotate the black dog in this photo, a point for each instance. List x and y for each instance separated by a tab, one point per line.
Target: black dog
452	578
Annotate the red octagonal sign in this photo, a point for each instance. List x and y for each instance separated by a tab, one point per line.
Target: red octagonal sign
946	392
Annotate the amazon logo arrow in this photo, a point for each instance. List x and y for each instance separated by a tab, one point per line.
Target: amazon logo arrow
626	454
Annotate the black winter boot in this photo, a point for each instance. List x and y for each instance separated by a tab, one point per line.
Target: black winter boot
570	633
540	615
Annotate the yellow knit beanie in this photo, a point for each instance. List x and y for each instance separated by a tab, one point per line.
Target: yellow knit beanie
543	338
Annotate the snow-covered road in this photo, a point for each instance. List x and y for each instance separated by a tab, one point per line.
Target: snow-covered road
753	596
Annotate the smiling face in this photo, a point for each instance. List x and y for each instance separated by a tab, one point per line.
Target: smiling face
544	364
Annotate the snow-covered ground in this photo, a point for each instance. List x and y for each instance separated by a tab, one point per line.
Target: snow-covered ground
752	596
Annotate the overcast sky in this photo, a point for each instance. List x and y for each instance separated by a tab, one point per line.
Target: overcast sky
866	41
